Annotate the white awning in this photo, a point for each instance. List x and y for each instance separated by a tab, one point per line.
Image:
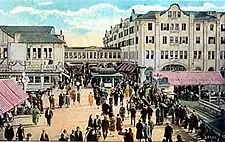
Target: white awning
65	75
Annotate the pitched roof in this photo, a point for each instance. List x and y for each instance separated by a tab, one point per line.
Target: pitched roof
39	38
203	16
11	30
149	15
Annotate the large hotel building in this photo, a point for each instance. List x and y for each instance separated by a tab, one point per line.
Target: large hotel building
171	40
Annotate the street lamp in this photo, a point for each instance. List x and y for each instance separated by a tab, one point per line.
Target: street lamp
25	81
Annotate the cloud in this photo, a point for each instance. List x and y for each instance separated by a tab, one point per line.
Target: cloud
97	18
45	3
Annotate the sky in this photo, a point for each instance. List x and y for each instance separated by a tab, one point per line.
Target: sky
84	22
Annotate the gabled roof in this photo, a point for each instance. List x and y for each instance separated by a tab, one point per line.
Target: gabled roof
39	38
11	30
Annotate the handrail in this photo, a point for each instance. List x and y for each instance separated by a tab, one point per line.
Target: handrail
211	106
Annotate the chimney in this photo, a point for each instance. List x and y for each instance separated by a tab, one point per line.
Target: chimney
133	11
60	32
17	37
121	20
110	27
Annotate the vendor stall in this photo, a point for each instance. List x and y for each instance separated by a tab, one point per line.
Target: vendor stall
106	77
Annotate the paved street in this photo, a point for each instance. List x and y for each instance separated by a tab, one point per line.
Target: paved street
77	115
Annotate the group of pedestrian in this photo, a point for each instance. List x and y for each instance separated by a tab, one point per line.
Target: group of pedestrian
9	133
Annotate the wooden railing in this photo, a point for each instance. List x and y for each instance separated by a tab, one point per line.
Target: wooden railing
216	109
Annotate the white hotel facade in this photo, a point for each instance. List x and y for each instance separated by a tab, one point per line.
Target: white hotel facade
171	40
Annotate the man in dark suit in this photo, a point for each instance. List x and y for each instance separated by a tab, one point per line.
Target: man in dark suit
44	136
133	115
105	127
97	122
9	133
48	116
78	135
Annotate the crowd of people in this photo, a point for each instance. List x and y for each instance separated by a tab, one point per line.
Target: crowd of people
144	100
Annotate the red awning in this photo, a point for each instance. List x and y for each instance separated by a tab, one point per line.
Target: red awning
9	95
118	68
12	85
5	105
192	78
123	67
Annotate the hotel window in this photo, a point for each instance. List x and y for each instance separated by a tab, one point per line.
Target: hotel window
166	55
126	32
110	55
179	14
185	54
37	79
88	55
83	55
209	54
95	55
171	39
222	27
211	40
101	54
50	53
197	27
174	14
70	54
137	28
106	56
197	40
184	39
162	54
183	27
46	79
28	53
131	30
177	27
221	54
146	39
66	55
118	55
151	39
31	78
164	39
131	41
171	54
195	55
5	51
46	53
147	54
176	54
176	39
136	40
114	55
91	55
181	54
34	53
213	54
170	14
172	27
222	40
75	55
152	54
211	27
149	26
199	54
165	26
39	53
114	37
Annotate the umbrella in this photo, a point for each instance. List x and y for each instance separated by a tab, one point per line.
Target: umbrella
33	95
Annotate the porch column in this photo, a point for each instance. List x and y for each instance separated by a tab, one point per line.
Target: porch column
113	81
42	82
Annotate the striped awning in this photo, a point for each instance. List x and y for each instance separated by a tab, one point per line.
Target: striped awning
16	89
192	78
11	95
5	104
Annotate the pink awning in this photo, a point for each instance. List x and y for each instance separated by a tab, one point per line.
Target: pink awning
15	88
192	78
5	105
9	95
